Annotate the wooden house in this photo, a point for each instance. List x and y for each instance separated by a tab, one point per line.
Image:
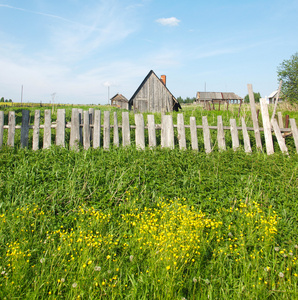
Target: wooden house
273	96
153	96
119	101
218	97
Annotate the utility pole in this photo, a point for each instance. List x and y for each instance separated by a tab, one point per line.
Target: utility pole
22	96
53	98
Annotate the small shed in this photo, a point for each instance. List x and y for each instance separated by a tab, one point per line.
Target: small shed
218	97
119	101
273	96
153	96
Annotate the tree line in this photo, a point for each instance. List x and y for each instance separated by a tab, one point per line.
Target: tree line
5	100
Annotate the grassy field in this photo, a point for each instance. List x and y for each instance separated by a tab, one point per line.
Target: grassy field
153	224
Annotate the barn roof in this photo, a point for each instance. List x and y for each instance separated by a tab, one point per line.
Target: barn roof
119	97
142	84
273	94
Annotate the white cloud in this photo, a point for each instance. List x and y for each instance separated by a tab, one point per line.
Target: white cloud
168	21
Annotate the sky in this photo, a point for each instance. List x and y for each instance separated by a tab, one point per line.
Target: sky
86	51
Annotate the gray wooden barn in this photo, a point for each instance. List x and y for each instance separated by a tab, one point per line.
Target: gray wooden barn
119	101
218	97
153	96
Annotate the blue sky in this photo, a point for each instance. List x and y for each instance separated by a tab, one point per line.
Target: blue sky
81	49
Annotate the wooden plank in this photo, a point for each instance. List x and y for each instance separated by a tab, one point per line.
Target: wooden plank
106	129
276	101
25	128
81	121
91	121
1	127
75	130
181	131
220	134
60	129
280	120
96	129
116	131
267	127
207	136
247	146
35	141
86	130
254	117
47	132
11	128
279	137
194	134
125	129
167	132
151	131
140	131
234	134
294	132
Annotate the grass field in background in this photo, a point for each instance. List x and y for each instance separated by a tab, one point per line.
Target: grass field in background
153	224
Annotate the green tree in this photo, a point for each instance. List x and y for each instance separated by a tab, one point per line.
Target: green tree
288	73
2	99
257	97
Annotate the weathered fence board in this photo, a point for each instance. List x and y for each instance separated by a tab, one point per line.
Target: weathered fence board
167	132
206	133
267	127
25	128
86	128
151	131
246	140
47	133
234	134
279	137
116	131
181	131
75	130
125	129
294	132
11	128
193	134
140	131
220	134
60	129
1	127
106	130
280	120
96	129
254	117
35	141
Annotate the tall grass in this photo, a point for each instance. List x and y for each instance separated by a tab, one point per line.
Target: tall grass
154	224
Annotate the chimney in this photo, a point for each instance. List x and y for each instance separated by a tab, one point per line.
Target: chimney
163	79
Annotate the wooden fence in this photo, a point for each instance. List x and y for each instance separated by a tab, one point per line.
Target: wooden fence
87	128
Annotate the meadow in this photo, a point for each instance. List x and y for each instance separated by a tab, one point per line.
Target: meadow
152	224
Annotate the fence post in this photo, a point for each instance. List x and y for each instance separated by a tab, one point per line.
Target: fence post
294	132
47	134
91	122
247	146
279	137
35	141
193	133
96	129
106	129
1	127
254	117
116	131
125	129
11	128
181	131
151	131
86	129
81	121
60	129
234	134
167	132
206	133
280	120
75	130
220	134
267	127
140	131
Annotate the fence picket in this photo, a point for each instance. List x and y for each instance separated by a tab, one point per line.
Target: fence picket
96	129
279	137
75	130
246	140
116	131
81	122
35	141
11	128
91	122
151	131
167	132
86	130
193	133
267	127
220	134
47	133
206	133
25	128
60	129
234	134
125	129
106	130
280	120
294	132
1	127
181	131
140	131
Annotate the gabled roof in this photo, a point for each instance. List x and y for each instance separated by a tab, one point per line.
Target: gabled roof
119	97
217	96
273	94
144	81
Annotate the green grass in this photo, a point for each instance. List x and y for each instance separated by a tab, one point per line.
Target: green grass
153	224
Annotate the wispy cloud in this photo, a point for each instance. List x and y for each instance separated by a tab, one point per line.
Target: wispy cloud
168	21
